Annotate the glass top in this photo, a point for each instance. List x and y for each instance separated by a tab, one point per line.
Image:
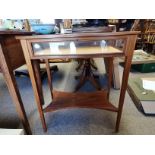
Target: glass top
74	48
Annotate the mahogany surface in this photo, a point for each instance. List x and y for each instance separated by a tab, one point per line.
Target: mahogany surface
97	100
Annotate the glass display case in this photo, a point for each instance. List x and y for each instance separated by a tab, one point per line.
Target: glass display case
80	45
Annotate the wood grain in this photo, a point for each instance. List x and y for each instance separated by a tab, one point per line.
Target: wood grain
97	100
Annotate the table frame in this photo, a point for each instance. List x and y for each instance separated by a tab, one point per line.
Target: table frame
33	67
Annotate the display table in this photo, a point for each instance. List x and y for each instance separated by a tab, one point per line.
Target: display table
81	45
11	57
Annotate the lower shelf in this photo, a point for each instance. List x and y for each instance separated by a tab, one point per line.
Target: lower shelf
97	100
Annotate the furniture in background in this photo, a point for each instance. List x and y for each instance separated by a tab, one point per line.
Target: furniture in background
88	64
146	38
69	46
11	57
141	61
87	74
143	99
149	41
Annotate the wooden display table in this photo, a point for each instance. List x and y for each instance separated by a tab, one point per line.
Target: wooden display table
82	45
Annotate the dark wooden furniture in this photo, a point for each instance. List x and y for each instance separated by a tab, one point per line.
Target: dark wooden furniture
88	64
87	74
11	57
146	39
77	46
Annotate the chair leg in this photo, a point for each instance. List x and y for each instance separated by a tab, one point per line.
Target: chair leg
44	72
82	80
21	73
92	63
86	75
95	83
80	65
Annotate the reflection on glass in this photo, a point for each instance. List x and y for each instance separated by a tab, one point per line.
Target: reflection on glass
103	44
75	47
72	48
36	46
54	48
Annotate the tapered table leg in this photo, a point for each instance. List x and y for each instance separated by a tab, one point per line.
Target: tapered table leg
13	89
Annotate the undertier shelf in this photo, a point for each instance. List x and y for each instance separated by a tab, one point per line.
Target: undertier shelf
96	100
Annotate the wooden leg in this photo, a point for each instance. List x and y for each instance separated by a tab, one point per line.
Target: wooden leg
36	65
123	90
49	77
86	75
38	96
116	75
94	82
128	59
31	65
79	65
92	63
81	83
13	89
109	71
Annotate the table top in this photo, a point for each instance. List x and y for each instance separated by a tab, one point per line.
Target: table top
78	45
76	35
73	48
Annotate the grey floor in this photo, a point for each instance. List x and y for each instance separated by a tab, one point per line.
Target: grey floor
74	121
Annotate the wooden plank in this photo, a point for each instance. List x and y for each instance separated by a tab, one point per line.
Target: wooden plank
96	100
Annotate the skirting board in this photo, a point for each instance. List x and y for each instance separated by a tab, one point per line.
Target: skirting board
11	131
